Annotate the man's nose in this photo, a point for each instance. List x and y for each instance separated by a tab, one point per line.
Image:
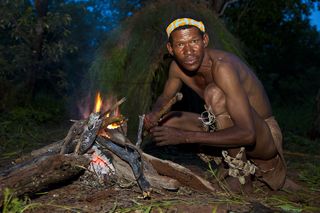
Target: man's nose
187	49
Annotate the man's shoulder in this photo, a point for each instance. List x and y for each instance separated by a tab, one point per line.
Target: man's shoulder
219	53
174	69
174	66
225	65
222	54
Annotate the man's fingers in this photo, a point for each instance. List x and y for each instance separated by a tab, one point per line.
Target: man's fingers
159	129
160	140
147	123
162	144
158	135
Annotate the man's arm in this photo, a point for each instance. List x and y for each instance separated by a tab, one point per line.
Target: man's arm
171	87
237	105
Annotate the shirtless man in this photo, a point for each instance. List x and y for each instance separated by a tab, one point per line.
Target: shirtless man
234	97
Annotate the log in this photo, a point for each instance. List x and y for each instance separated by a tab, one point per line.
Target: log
64	146
50	149
156	181
42	173
161	174
130	154
178	172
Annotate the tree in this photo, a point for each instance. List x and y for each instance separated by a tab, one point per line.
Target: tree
283	48
281	44
34	41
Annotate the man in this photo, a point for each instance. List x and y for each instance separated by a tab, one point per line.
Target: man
238	118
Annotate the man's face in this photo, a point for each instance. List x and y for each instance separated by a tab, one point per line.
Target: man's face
188	47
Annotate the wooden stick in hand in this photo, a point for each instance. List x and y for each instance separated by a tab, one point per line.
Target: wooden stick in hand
167	106
164	109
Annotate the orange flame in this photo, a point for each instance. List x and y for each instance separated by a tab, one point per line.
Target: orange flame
98	103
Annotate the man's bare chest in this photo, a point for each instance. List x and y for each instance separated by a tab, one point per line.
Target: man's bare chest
198	83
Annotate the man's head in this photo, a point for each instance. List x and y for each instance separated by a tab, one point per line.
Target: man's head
187	41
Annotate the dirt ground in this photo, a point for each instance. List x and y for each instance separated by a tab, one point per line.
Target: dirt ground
86	195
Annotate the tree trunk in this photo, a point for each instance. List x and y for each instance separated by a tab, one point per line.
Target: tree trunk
315	129
41	7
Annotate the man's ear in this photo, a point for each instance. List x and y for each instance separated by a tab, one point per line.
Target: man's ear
170	49
205	39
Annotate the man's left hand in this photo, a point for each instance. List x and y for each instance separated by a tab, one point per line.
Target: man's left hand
164	135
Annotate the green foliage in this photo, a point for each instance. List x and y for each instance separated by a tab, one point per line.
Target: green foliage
33	44
311	175
297	118
283	48
24	128
281	45
11	204
47	46
295	142
283	202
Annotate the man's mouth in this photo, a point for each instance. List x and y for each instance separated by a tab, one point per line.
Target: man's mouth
190	60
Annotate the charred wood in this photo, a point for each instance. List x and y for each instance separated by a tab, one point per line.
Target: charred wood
132	156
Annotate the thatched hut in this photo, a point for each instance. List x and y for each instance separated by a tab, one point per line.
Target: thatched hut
133	61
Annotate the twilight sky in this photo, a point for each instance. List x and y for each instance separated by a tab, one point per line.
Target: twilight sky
315	18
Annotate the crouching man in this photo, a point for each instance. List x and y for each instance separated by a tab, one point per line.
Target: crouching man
238	117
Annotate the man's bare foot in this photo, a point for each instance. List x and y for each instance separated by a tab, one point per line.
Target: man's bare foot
235	186
291	185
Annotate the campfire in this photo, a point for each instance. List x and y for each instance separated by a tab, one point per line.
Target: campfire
98	143
105	131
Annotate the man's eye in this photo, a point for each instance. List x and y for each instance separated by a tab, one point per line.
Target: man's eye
194	41
180	45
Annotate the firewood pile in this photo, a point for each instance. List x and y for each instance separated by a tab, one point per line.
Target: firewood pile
98	144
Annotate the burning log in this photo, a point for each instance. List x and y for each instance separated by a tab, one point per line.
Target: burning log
89	129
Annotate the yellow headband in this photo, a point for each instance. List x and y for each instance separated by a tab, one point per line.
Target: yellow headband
183	22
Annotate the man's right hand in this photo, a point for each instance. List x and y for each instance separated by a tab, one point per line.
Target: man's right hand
150	120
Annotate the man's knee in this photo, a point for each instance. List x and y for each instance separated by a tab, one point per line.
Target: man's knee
182	120
215	98
170	117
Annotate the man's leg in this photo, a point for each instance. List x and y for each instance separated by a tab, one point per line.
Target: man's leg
182	120
264	147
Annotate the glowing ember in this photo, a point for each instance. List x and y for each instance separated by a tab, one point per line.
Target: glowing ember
113	126
100	164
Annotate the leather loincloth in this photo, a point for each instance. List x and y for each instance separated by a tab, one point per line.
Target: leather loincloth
273	171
